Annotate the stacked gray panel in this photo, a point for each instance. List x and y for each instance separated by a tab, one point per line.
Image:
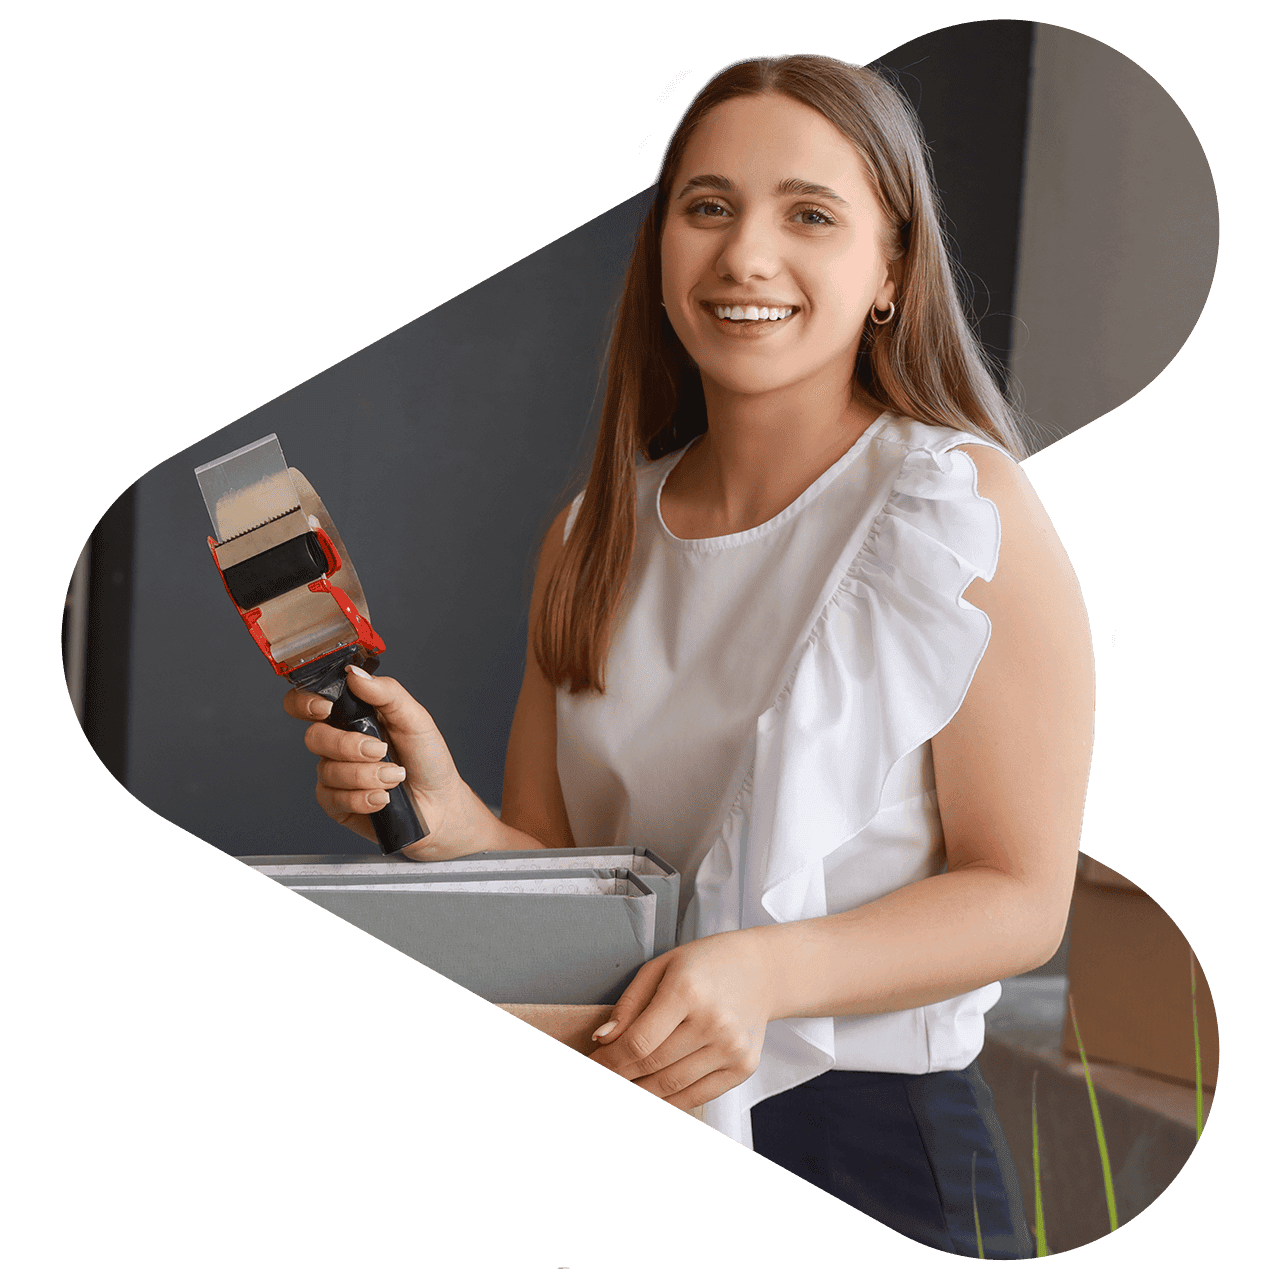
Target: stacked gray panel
575	938
296	870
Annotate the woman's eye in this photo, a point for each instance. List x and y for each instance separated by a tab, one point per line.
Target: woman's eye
816	218
710	208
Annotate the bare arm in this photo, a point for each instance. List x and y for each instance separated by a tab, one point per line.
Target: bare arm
1011	770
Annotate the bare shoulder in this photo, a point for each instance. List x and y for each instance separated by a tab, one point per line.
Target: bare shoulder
1000	478
1030	550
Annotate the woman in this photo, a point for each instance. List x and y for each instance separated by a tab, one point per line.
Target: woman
819	647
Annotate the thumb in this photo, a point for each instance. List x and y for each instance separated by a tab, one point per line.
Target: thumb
398	709
633	1001
409	728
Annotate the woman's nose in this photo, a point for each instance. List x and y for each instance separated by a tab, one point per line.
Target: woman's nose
749	251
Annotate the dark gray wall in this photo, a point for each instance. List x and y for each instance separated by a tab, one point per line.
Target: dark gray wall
442	452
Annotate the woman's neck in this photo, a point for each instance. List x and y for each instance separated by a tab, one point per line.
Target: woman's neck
759	455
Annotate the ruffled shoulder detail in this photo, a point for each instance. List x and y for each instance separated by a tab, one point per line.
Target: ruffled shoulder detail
885	667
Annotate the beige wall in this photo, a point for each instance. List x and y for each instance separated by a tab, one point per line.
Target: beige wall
1119	233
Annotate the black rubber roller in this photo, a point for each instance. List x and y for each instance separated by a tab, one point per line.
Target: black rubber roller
273	572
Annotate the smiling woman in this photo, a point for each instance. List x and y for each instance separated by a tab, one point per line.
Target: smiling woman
920	358
728	240
808	634
762	242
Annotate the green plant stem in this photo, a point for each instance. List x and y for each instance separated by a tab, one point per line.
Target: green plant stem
1195	1031
1107	1186
973	1187
1042	1244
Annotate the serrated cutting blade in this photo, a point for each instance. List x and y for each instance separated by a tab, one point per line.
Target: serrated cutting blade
246	488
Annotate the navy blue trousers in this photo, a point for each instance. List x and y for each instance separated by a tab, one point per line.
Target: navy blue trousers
900	1149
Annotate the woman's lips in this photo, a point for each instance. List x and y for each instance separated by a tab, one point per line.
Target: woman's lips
748	319
736	311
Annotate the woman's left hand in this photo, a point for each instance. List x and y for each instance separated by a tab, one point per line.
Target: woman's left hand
691	1024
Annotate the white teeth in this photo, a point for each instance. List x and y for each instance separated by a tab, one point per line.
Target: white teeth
752	313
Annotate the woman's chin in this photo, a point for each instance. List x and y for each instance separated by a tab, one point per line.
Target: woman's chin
744	378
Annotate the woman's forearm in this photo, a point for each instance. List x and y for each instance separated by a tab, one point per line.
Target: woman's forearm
922	943
490	832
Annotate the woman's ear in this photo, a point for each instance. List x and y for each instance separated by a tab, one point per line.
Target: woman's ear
893	282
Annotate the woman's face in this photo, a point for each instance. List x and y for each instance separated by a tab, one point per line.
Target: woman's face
772	208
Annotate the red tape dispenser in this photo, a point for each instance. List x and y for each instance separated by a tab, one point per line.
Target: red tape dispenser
293	584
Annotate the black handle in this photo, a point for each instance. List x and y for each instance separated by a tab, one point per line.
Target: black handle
396	824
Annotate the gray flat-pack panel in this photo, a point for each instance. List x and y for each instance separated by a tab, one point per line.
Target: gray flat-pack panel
657	874
569	938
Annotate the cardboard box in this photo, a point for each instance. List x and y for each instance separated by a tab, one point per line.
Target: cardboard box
572	1025
1129	974
1091	871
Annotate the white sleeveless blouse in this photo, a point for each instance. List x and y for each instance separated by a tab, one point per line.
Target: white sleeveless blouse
770	697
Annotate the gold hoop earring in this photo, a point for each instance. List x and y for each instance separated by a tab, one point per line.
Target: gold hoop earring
875	319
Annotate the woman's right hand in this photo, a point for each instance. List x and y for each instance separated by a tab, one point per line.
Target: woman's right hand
354	773
350	784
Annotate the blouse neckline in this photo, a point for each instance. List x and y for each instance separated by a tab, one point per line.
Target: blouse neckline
726	541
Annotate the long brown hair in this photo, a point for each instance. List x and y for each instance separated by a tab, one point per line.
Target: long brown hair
925	363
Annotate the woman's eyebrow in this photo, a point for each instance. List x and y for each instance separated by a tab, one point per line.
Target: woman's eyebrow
799	187
787	187
708	181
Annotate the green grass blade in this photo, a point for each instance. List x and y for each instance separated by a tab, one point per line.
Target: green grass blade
1042	1244
1195	1031
973	1187
1107	1186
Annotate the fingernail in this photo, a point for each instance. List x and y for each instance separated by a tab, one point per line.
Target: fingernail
359	671
601	1032
391	773
377	798
319	707
373	748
